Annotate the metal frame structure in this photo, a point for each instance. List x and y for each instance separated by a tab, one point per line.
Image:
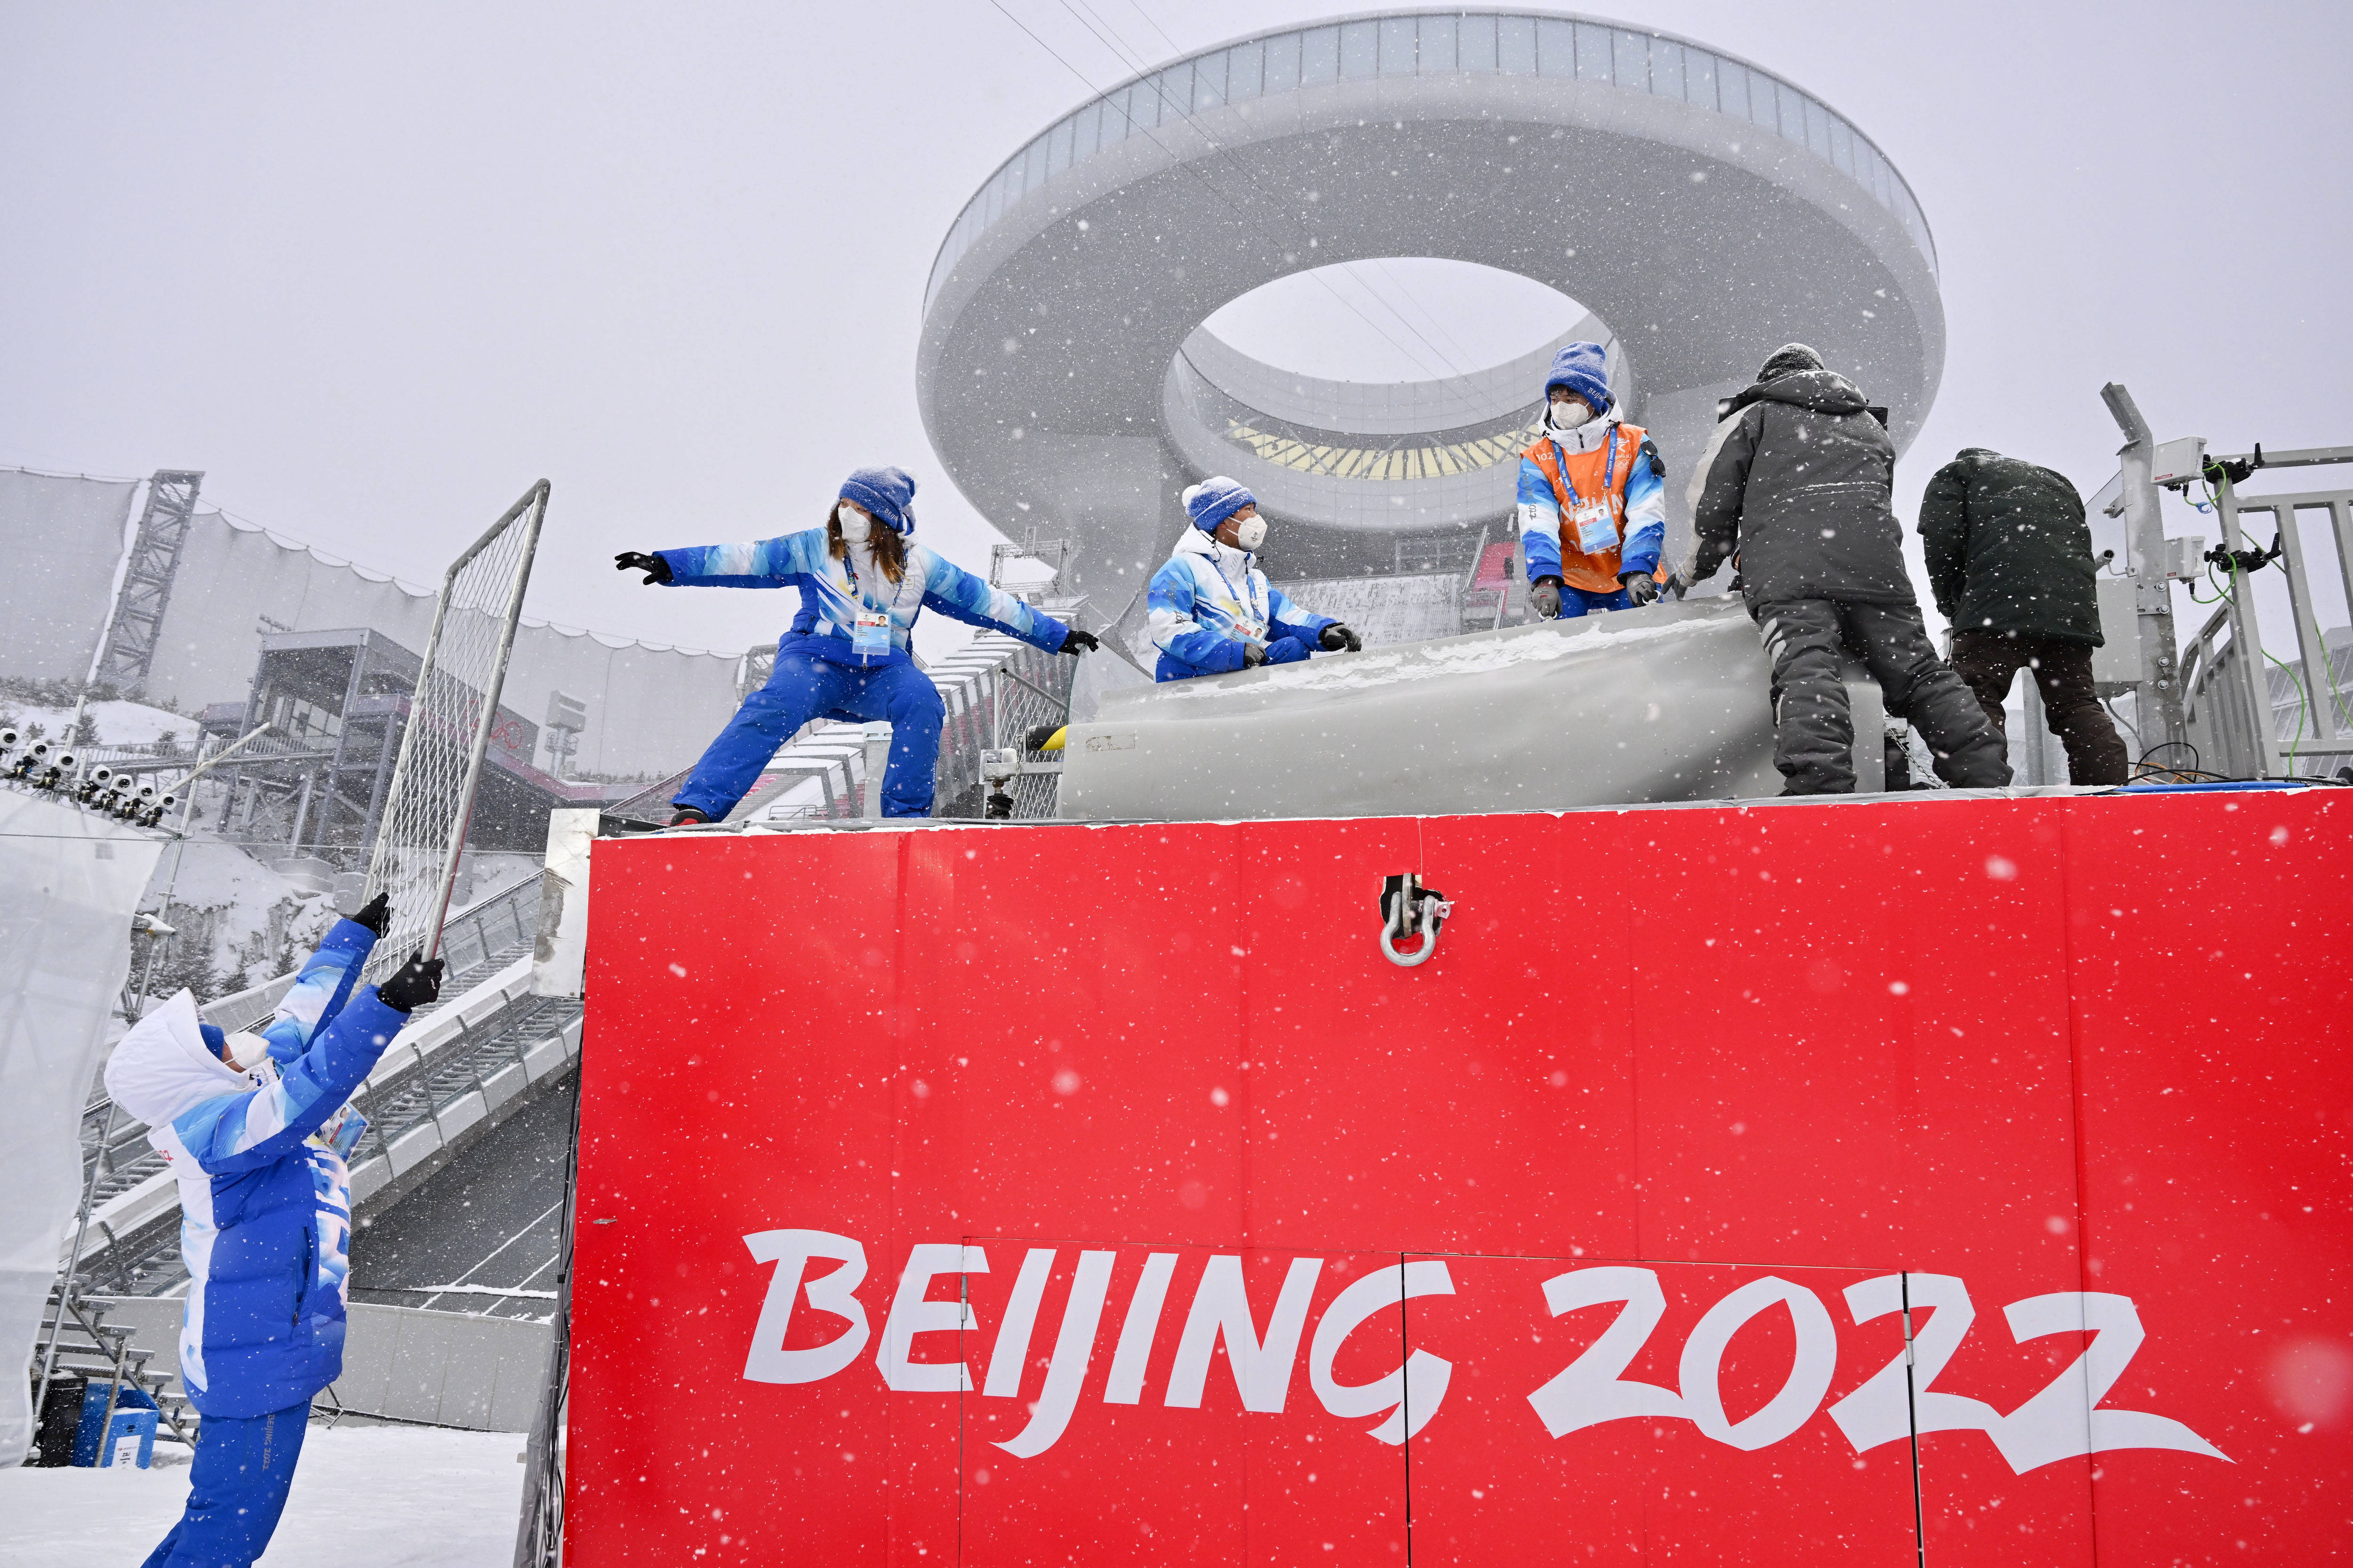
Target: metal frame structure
2230	699
531	509
146	592
2157	694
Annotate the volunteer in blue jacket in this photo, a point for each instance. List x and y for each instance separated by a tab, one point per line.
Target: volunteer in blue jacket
1593	501
863	581
265	1218
1213	610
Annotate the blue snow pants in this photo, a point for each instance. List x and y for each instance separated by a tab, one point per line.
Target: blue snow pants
803	688
237	1487
1576	602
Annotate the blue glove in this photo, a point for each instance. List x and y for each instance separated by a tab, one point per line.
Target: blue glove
1288	650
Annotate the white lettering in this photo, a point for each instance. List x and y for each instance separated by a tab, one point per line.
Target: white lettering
1073	1347
1588	1391
1413	1392
1883	1409
1008	1360
1126	1385
1811	1364
912	1315
791	1251
2063	1421
1221	1307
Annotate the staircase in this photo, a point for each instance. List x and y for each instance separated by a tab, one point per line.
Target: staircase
89	1347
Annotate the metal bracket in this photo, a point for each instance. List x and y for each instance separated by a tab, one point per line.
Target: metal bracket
1410	910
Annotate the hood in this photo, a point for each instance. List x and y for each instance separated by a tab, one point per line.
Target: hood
1196	543
1588	437
164	1069
1823	390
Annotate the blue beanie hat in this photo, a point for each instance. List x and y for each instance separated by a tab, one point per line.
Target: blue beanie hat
887	493
215	1038
1214	499
1584	369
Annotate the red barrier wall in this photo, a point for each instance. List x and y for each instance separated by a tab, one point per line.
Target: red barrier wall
1725	1087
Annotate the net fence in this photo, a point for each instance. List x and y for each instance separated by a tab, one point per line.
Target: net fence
448	729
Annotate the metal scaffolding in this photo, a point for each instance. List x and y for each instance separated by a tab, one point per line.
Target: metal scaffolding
139	608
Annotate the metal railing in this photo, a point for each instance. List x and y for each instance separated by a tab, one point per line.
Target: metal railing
2233	710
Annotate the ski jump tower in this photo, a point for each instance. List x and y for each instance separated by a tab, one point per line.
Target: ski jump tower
1703	208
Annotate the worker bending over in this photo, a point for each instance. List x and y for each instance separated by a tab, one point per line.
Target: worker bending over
2009	560
1593	514
863	581
1795	487
1213	610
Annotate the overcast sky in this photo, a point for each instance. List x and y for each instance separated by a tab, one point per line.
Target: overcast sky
377	269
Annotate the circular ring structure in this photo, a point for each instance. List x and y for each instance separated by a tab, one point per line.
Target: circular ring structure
1703	209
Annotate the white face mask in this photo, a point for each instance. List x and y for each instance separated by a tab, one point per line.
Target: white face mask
855	525
1567	416
1251	532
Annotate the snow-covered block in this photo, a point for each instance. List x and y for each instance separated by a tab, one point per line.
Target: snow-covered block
371	1337
421	1362
412	1148
394	1063
505	1084
545	1056
462	1113
369	1176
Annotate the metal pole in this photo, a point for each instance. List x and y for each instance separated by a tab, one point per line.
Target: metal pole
2247	638
73	1262
535	504
2158	693
2319	681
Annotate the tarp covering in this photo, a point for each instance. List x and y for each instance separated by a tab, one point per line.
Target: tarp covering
1661	704
70	881
64	539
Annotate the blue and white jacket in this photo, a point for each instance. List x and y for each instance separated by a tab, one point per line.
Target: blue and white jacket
1645	496
1211	600
831	599
264	1215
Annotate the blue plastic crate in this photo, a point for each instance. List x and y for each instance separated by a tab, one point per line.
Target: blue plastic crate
129	1436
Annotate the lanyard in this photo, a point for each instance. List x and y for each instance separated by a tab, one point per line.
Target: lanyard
1608	470
1246	595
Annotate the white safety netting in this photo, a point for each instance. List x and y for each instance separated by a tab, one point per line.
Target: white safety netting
71	879
432	790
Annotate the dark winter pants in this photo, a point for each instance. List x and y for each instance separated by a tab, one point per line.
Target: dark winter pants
1813	731
804	689
1989	661
236	1488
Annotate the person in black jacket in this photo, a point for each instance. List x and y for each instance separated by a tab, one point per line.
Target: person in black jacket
2009	560
1795	487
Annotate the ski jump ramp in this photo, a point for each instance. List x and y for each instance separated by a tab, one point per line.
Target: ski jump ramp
1666	703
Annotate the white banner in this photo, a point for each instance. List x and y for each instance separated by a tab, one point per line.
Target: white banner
69	882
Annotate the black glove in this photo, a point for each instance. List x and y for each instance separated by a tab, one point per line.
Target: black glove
655	569
1075	642
1253	654
1640	587
1545	597
375	914
1335	636
417	982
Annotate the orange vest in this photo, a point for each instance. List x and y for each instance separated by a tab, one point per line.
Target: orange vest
1598	475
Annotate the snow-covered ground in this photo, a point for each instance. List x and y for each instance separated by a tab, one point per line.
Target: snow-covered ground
375	1497
119	723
